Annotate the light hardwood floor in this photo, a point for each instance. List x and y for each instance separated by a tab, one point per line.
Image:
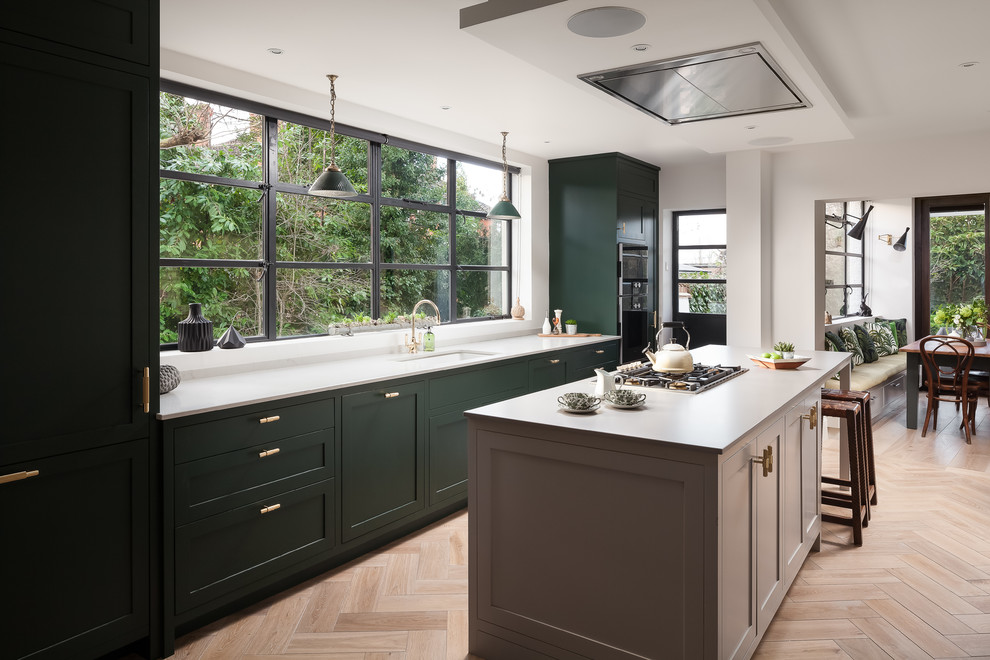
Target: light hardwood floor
919	587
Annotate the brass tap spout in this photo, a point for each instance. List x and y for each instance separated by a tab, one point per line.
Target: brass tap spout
413	343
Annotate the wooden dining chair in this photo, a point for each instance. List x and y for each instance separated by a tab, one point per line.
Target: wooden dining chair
946	361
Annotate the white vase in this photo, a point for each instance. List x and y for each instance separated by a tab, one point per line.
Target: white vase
571	329
788	355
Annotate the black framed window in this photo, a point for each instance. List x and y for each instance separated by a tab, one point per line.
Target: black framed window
845	265
240	235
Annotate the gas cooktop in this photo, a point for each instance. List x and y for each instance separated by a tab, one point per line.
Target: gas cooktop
701	378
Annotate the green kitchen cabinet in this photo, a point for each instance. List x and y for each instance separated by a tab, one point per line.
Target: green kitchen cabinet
582	362
450	396
77	547
547	371
597	202
383	454
74	557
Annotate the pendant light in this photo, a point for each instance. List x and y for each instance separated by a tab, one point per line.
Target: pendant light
504	210
332	183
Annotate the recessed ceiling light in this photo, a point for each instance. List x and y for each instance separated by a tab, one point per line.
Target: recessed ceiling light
605	22
750	127
446	107
967	65
275	51
639	48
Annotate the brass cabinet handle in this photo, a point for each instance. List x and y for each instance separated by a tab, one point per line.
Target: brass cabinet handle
599	352
266	420
268	452
812	416
655	319
269	509
18	476
391	395
146	390
554	361
766	460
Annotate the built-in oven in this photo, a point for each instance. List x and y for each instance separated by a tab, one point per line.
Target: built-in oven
636	305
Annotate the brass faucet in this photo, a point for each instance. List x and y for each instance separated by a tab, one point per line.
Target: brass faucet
413	344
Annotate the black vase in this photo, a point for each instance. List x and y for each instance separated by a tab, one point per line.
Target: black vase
196	332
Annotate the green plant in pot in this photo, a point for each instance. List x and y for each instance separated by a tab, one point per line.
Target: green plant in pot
571	326
786	349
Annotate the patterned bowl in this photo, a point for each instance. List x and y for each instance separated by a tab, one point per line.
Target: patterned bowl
578	402
625	398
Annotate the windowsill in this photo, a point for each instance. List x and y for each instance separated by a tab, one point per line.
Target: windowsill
257	356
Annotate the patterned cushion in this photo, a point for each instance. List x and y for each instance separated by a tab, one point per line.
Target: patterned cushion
852	345
883	338
833	342
866	344
901	325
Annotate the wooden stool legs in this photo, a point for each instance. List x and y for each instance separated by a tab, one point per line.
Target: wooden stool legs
856	500
862	398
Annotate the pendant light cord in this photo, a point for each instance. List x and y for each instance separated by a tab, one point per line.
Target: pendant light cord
505	168
333	138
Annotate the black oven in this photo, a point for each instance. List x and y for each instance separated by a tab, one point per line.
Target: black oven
635	301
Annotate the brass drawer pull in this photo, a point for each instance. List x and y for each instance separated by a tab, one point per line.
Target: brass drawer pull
812	416
268	452
599	352
391	395
269	509
766	460
17	476
273	418
554	361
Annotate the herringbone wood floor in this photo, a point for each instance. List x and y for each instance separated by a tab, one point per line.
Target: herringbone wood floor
918	588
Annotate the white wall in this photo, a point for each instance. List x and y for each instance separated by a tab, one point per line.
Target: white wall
890	274
891	171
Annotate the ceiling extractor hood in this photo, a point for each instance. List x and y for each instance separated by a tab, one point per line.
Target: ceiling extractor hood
742	80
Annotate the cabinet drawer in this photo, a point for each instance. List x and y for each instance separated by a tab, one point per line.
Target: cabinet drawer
250	429
637	179
219	483
892	392
507	379
217	555
582	362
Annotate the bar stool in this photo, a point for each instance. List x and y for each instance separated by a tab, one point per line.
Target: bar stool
855	500
862	398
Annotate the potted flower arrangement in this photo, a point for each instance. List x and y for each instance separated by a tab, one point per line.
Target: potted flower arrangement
966	320
571	326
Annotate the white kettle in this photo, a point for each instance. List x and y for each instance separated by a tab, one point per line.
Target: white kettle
671	357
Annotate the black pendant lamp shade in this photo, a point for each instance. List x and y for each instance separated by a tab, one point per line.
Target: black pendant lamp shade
504	210
332	183
857	231
901	243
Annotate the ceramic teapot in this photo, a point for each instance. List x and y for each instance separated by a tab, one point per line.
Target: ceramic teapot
671	357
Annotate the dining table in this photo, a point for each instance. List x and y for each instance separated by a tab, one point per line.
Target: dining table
912	382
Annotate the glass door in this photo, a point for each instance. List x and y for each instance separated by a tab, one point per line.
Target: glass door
699	239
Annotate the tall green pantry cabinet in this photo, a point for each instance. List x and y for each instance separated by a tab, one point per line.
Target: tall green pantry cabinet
80	83
596	203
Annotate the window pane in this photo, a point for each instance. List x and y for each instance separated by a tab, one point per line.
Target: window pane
402	289
204	221
958	260
319	229
409	236
706	229
482	293
309	300
478	188
304	152
227	295
701	264
835	209
205	138
834	301
835	269
854	270
701	298
482	242
413	175
835	237
854	300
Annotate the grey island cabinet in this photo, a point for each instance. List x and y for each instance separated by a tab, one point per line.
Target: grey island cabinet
668	531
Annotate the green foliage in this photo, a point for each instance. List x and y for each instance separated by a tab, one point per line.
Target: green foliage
783	347
958	258
224	222
704	298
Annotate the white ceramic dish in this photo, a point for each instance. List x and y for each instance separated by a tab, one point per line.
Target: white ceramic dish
780	363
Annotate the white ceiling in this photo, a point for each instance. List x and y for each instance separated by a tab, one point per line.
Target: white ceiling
872	69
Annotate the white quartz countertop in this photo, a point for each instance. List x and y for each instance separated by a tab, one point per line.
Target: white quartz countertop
711	420
218	390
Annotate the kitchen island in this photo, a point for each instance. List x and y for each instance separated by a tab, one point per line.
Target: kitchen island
668	531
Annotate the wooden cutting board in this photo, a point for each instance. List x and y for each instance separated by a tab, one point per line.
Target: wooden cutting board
576	334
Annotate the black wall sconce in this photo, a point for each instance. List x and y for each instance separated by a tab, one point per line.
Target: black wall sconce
858	227
901	243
